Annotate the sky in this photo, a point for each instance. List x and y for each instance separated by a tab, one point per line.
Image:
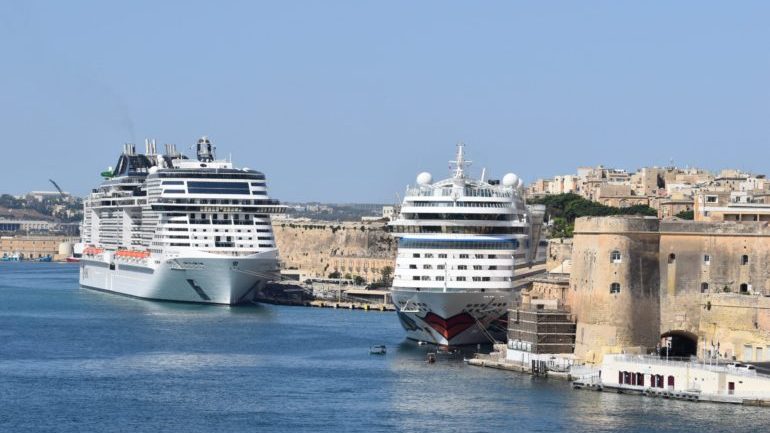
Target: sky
347	101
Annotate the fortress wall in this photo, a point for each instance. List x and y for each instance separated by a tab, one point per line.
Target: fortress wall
319	248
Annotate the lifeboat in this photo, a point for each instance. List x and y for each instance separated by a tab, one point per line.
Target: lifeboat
132	254
91	251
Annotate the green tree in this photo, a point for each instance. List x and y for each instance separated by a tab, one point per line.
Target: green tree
335	274
359	280
686	215
386	274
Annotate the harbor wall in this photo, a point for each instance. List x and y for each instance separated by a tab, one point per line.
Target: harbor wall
36	246
319	248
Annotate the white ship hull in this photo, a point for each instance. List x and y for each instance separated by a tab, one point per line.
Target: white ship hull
207	279
450	318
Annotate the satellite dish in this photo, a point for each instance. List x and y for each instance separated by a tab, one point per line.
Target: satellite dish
424	178
511	179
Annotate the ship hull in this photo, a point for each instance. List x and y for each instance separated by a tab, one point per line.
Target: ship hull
450	318
206	279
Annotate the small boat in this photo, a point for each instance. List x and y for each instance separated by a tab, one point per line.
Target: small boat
377	350
16	257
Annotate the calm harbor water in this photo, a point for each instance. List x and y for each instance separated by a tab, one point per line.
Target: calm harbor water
74	360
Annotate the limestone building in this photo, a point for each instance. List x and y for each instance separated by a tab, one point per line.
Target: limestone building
637	283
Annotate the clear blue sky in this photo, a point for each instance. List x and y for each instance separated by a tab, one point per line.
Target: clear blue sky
348	101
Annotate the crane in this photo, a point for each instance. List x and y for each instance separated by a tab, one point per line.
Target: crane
57	188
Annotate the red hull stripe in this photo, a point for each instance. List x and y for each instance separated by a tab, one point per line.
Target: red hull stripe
451	327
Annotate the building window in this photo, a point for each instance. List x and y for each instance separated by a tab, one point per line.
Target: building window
744	288
416	278
704	287
428	255
439	278
442	256
463	256
460	278
671	258
416	255
462	267
412	266
440	266
744	260
427	267
615	256
706	259
615	288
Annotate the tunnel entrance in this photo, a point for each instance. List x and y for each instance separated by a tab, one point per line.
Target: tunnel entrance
683	344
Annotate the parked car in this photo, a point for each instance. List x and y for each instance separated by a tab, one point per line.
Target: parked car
742	367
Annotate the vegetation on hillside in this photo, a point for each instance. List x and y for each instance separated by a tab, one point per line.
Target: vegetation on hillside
563	209
686	215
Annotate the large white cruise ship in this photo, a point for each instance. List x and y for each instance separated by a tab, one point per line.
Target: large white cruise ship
459	241
165	227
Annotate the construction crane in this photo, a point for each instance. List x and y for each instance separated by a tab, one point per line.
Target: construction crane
58	189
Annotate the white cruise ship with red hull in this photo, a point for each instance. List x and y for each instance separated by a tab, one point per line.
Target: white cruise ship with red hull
459	240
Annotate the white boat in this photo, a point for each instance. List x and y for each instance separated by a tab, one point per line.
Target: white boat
459	241
165	227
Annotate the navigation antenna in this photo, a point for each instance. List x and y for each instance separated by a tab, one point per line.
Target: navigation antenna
460	163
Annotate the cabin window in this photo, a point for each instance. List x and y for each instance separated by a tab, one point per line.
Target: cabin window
615	256
615	288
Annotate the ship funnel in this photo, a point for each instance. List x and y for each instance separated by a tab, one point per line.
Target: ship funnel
205	150
149	147
171	150
129	149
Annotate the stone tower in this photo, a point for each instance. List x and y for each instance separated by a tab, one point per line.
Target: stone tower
614	286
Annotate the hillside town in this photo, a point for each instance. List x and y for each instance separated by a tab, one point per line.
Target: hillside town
729	195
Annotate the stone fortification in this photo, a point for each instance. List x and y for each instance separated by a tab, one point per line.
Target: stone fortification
320	248
559	250
614	285
715	283
705	285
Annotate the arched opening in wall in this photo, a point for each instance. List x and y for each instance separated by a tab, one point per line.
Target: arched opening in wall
683	344
744	288
671	258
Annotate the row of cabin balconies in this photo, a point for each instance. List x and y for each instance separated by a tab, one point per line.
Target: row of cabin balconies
452	285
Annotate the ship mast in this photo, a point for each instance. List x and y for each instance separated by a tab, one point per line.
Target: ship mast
460	163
